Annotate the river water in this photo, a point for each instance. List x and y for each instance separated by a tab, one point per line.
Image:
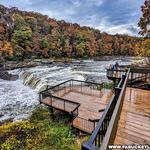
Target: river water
19	98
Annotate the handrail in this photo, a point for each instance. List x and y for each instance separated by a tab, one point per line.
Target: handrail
75	108
115	73
63	99
93	143
55	86
50	88
64	87
112	128
119	70
87	124
140	70
88	82
89	144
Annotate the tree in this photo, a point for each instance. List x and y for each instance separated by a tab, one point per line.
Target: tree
22	40
80	49
146	50
61	39
2	32
32	23
19	22
46	28
144	22
44	43
6	49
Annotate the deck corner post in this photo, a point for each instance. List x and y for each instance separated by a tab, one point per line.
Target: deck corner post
40	97
51	112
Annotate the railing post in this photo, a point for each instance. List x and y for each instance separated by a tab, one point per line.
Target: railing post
64	105
51	112
40	97
51	100
117	92
70	84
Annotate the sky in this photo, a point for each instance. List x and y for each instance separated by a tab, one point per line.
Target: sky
111	16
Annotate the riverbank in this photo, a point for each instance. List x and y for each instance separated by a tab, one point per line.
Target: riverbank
40	131
10	65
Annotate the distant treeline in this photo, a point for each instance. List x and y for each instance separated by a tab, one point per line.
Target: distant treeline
33	35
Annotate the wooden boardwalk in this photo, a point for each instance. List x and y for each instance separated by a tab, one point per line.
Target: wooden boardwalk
92	103
134	123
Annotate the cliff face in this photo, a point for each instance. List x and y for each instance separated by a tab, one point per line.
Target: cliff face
29	34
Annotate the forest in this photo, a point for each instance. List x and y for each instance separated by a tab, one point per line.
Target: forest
29	35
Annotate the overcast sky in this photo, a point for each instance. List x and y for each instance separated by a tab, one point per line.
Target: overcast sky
112	16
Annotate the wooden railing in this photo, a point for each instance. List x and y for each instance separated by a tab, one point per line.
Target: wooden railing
136	74
83	124
61	103
69	85
55	94
140	77
105	131
113	73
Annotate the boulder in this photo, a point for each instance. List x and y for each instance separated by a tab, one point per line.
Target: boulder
6	76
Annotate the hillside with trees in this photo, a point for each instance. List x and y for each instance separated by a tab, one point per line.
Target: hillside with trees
33	35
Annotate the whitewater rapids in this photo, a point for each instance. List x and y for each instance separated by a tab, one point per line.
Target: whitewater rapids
19	98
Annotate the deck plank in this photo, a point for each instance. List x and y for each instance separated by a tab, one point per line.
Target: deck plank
90	104
134	123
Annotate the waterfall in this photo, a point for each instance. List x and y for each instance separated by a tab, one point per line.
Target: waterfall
33	81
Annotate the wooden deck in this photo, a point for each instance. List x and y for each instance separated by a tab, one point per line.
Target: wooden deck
136	74
134	123
91	101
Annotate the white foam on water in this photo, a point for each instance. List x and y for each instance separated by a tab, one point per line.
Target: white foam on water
16	100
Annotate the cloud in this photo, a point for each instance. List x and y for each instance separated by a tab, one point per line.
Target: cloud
130	29
119	16
95	2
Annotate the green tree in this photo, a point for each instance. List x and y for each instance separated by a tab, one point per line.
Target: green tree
32	23
22	40
19	22
44	43
80	49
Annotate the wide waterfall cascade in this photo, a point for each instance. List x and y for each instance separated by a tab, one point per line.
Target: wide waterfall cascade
40	77
33	81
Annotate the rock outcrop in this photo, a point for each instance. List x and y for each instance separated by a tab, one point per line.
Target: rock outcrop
6	76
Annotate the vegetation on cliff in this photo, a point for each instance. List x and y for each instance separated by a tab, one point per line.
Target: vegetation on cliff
33	35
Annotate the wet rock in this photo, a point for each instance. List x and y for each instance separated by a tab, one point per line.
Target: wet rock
10	65
1	115
6	76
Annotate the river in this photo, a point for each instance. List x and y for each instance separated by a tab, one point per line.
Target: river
19	98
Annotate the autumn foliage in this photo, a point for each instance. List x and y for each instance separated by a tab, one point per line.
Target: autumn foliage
32	35
144	25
